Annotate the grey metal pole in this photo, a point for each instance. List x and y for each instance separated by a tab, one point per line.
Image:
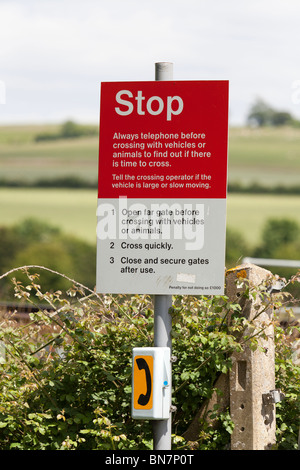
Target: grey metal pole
163	71
162	429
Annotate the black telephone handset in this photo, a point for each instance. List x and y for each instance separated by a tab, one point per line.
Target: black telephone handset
142	364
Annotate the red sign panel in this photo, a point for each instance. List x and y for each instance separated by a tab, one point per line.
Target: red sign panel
163	139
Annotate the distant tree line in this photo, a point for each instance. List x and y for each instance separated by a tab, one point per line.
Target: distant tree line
71	181
262	114
76	182
69	130
257	188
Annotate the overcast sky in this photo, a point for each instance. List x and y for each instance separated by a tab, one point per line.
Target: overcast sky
55	53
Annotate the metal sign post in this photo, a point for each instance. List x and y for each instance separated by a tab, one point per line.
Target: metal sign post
161	211
162	429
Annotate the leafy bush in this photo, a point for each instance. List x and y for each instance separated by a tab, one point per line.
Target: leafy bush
277	233
280	240
236	248
287	379
66	377
36	242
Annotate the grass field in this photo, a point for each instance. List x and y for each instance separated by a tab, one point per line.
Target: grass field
32	161
247	213
267	156
74	211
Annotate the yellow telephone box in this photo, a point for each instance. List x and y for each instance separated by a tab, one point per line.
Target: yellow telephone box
151	383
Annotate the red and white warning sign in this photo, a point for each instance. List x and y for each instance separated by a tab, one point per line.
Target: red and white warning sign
162	187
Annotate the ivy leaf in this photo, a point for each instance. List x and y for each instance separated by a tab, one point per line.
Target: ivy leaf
185	375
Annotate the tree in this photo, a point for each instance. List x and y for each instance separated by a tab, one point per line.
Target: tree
282	118
37	242
277	233
70	129
262	114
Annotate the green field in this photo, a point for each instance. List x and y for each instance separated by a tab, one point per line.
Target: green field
267	156
74	211
247	213
49	160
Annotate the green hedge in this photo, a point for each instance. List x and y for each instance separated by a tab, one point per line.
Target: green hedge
66	375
